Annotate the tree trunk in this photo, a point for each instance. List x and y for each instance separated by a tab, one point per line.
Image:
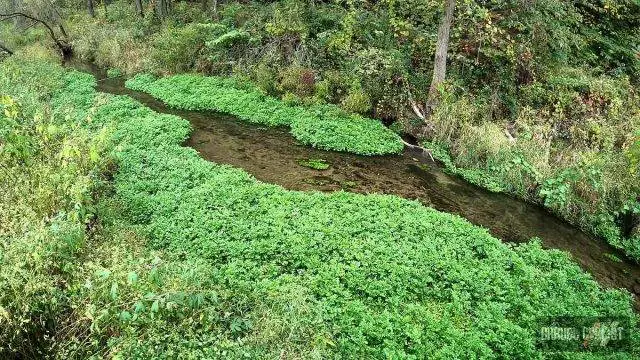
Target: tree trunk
162	8
104	4
635	226
440	59
205	5
139	9
90	9
18	22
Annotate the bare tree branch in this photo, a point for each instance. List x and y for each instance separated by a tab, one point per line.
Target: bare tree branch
424	150
64	47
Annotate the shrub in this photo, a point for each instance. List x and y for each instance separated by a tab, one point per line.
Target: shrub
357	101
109	45
113	73
177	49
297	80
266	79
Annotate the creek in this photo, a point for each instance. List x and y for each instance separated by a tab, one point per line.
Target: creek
272	155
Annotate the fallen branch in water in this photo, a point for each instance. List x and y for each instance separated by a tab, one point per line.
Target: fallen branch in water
424	150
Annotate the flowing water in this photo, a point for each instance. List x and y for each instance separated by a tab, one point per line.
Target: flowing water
272	155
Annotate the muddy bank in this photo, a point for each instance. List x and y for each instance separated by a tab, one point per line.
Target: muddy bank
272	155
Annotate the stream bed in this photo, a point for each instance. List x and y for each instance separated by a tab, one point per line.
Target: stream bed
273	156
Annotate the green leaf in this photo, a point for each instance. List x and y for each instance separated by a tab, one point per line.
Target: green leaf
125	316
132	278
114	291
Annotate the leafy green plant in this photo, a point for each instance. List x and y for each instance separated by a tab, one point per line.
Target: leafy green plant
357	101
317	164
312	239
177	49
322	126
201	260
113	73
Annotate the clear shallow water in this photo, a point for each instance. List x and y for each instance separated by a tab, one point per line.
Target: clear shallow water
272	155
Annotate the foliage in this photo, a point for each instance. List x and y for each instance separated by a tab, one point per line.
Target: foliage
109	44
181	267
316	164
357	285
51	169
177	49
357	101
113	73
558	76
297	80
325	126
476	177
569	148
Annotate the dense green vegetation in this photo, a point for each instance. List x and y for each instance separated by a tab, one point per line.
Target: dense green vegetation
322	126
539	99
118	242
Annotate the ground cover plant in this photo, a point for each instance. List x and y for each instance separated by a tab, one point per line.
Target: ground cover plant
316	164
322	126
193	259
539	98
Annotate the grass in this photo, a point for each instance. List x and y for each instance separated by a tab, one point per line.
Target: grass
321	126
196	259
591	183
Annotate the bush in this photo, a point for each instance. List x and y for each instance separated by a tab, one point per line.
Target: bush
297	80
109	45
357	101
177	49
